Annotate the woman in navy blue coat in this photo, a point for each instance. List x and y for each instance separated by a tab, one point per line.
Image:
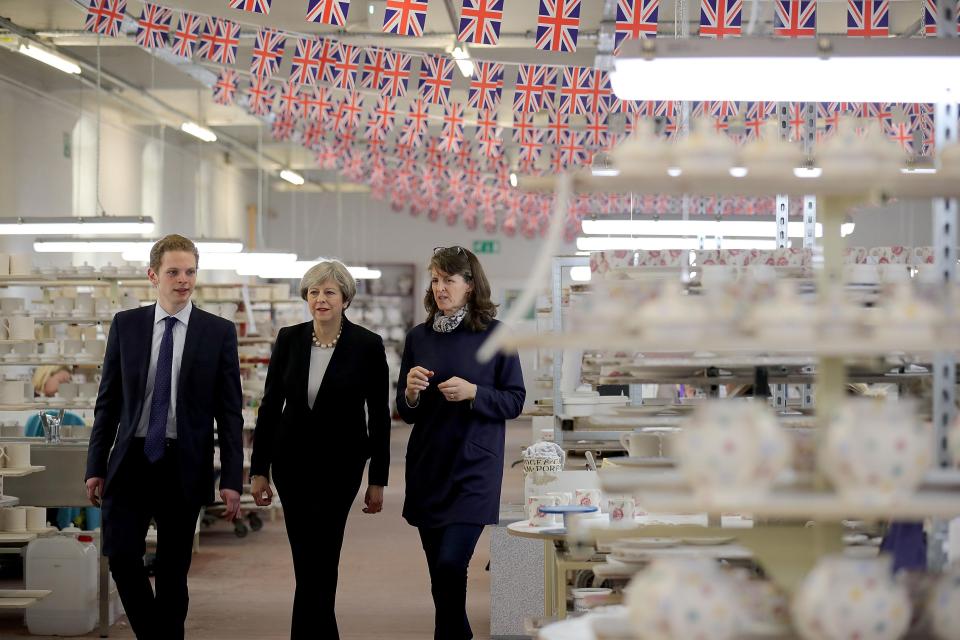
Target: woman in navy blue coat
458	408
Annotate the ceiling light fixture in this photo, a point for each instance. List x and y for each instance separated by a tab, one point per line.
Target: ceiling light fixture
605	172
580	273
513	179
198	132
292	177
807	172
49	58
814	70
464	63
74	226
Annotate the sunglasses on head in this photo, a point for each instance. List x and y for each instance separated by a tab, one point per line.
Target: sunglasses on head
456	248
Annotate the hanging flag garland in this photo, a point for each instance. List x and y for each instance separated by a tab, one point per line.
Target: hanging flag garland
187	35
105	17
225	89
252	6
405	17
558	24
328	11
267	53
153	26
480	21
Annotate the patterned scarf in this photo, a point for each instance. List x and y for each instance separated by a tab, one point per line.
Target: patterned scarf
446	324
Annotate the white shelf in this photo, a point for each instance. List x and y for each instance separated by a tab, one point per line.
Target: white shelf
21	598
75	319
35	362
19	473
47	406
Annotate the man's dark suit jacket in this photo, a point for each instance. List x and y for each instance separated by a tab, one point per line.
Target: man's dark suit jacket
208	389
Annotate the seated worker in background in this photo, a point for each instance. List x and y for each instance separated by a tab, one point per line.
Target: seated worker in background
46	382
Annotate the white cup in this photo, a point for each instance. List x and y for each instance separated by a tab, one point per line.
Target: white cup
63	306
20	328
68	390
11	392
10	306
640	444
15	519
588	497
622	510
536	517
36	518
20	264
18	455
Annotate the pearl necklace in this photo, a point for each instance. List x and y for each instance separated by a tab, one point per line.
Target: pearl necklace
317	343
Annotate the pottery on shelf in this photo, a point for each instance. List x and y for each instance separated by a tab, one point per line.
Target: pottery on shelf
732	449
876	450
682	598
845	597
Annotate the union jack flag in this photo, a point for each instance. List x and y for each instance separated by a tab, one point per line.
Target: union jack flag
491	148
326	59
528	94
327	156
282	129
260	96
930	14
187	35
346	64
374	69
313	134
105	16
452	134
636	19
868	18
796	121
405	17
558	24
349	111
902	134
436	76
267	53
720	18
486	86
305	65
289	106
385	114
153	26
522	124
551	84
396	75
584	90
252	6
757	114
487	127
219	40
328	11
480	21
597	130
557	127
316	103
416	122
225	89
795	18
829	113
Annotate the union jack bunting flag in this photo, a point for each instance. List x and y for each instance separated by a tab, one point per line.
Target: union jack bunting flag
486	86
417	117
522	124
558	24
436	76
882	111
551	84
596	130
225	89
252	6
618	105
153	26
795	18
326	60
219	40
313	134
282	129
930	17
868	18
187	35
289	105
720	18
328	11
600	92
396	75
796	120
348	112
557	127
315	103
346	64
636	19
491	148
385	114
405	17
584	90
260	96
528	89
374	69
305	64
480	21
105	16
452	134
902	134
757	114
487	127
829	114
267	53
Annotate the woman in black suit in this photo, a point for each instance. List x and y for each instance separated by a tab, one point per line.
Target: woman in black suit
312	430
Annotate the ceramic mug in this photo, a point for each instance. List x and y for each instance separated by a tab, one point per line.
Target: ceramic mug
640	444
622	510
36	518
536	517
20	328
18	455
588	497
15	519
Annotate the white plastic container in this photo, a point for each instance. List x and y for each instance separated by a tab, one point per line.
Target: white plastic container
67	565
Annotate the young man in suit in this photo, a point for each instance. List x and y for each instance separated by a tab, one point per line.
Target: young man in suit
170	370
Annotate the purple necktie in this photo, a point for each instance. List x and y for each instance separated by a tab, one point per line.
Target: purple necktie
155	442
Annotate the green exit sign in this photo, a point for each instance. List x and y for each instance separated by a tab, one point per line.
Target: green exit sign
486	246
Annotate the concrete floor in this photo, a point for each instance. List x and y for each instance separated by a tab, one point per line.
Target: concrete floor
243	588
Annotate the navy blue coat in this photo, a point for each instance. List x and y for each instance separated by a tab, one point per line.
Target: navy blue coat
455	455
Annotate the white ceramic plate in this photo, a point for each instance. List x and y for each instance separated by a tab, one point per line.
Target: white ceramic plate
709	541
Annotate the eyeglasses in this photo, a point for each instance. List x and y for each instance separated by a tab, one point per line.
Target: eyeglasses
456	248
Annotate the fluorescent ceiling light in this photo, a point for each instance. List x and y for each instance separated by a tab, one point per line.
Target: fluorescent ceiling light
198	132
605	172
462	58
363	273
814	70
513	180
674	172
807	172
580	273
292	177
48	57
738	172
625	243
122	245
918	170
693	228
74	226
847	228
248	262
